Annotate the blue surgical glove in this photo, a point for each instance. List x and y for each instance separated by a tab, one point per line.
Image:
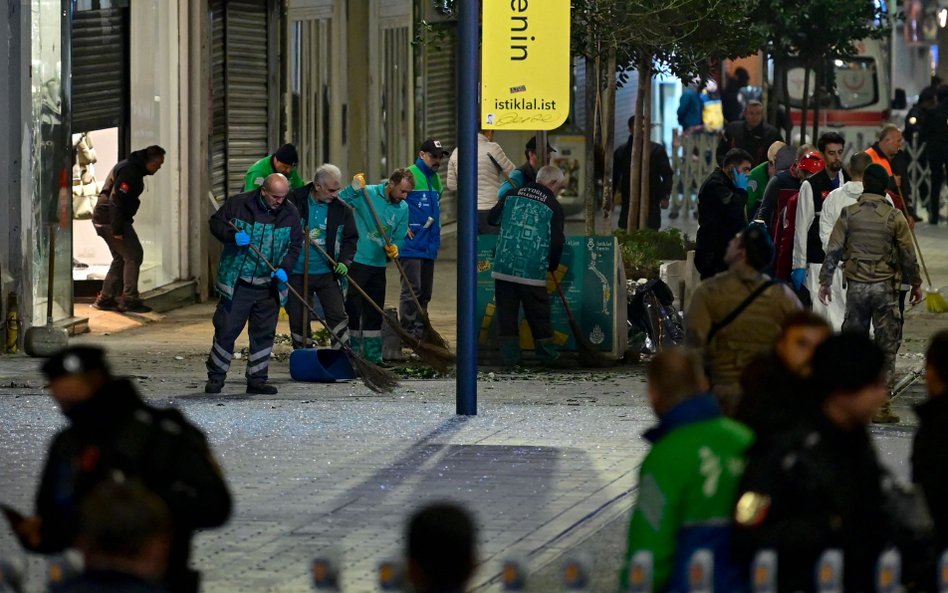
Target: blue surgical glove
242	239
279	274
741	180
797	277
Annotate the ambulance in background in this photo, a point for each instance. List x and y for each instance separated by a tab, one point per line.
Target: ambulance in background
856	105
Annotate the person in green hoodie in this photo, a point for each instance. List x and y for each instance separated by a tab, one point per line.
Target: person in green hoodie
376	246
282	161
688	483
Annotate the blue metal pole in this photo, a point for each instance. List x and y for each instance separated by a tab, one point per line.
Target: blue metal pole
468	70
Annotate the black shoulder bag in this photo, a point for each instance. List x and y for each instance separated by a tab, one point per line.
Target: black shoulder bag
718	326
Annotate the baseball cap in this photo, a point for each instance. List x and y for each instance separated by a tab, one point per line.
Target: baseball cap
532	145
433	146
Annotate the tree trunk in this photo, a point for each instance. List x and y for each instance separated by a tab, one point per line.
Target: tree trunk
608	138
785	91
804	103
817	97
645	202
635	169
589	185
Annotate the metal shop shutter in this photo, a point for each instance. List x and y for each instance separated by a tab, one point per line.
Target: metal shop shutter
217	159
440	91
247	93
99	69
240	93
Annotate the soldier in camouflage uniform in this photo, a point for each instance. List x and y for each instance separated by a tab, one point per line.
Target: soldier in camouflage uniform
874	240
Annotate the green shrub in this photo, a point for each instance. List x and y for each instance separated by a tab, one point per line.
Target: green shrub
644	250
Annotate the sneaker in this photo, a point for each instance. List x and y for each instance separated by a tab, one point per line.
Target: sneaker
106	304
261	388
213	386
135	306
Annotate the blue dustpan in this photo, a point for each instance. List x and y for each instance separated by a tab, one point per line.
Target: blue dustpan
320	365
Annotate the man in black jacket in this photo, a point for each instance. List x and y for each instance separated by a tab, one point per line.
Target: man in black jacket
325	220
660	180
752	134
249	225
818	484
775	391
930	448
112	434
721	202
112	217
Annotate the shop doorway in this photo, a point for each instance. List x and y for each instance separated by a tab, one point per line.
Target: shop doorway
100	127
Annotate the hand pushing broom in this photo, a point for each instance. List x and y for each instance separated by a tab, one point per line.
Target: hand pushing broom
435	356
375	377
431	335
934	301
589	355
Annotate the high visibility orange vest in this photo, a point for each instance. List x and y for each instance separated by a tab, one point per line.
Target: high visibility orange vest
879	159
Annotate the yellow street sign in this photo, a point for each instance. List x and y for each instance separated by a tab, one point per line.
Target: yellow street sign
525	64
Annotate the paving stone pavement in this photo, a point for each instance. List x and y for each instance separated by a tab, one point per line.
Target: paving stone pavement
548	466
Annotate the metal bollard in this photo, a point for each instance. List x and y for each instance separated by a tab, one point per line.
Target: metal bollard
943	573
764	572
889	572
391	576
701	572
829	572
576	574
63	567
324	574
11	576
513	574
640	572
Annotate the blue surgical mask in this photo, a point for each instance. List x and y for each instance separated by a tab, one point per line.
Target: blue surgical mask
740	179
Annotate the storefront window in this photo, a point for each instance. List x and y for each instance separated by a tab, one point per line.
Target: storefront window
154	63
50	160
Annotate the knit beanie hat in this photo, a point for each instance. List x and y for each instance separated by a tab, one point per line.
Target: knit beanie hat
287	154
875	179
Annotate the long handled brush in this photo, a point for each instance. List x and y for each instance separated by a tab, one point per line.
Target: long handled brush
435	356
431	334
589	355
307	335
375	377
934	301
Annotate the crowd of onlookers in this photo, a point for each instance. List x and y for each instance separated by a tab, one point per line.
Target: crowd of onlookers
794	470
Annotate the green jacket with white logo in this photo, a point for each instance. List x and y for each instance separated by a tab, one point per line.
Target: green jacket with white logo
688	487
531	235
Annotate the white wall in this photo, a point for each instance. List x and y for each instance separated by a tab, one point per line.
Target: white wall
156	39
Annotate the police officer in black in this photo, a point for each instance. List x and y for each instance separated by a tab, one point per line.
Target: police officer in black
113	434
112	217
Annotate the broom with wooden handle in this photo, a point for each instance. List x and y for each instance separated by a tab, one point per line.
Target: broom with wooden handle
589	355
934	301
431	335
435	356
375	377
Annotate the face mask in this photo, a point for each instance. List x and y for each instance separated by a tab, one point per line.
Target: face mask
740	179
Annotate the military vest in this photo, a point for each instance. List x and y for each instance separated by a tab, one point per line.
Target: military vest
870	243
